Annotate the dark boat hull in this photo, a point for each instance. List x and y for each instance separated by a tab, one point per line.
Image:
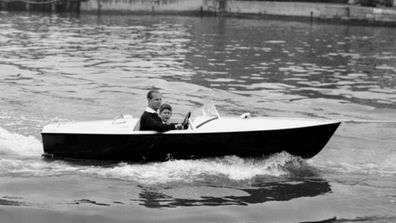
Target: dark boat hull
305	142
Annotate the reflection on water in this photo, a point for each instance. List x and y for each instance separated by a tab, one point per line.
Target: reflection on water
258	193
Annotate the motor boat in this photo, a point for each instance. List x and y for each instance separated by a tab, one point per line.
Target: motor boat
208	135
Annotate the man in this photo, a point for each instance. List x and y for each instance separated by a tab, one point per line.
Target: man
150	119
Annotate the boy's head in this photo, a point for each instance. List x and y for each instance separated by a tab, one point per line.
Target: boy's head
165	112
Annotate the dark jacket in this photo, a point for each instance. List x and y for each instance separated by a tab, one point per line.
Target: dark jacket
151	121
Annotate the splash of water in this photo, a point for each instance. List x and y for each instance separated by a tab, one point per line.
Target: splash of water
230	167
16	144
186	171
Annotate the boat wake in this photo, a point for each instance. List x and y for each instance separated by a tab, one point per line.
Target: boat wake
205	170
230	168
20	145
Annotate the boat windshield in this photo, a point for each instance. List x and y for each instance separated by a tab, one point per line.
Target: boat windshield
203	115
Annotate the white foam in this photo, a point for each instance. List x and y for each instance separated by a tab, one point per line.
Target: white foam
231	168
34	168
16	144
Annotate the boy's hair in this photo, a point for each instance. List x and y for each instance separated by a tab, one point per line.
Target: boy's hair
165	107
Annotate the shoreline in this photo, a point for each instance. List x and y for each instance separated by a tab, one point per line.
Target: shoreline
252	9
303	11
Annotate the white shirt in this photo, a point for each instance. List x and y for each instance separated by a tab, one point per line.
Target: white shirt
150	110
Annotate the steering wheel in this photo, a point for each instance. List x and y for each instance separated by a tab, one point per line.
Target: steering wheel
185	121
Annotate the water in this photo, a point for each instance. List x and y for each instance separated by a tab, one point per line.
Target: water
59	68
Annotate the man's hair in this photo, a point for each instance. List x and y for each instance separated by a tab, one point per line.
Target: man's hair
150	94
165	107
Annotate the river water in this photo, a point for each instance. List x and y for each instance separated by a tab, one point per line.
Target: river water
61	68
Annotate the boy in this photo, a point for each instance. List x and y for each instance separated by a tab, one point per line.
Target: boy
165	113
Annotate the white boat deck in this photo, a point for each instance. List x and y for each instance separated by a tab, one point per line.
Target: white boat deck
224	124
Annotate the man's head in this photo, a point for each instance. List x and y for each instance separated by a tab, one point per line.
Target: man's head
165	112
154	99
